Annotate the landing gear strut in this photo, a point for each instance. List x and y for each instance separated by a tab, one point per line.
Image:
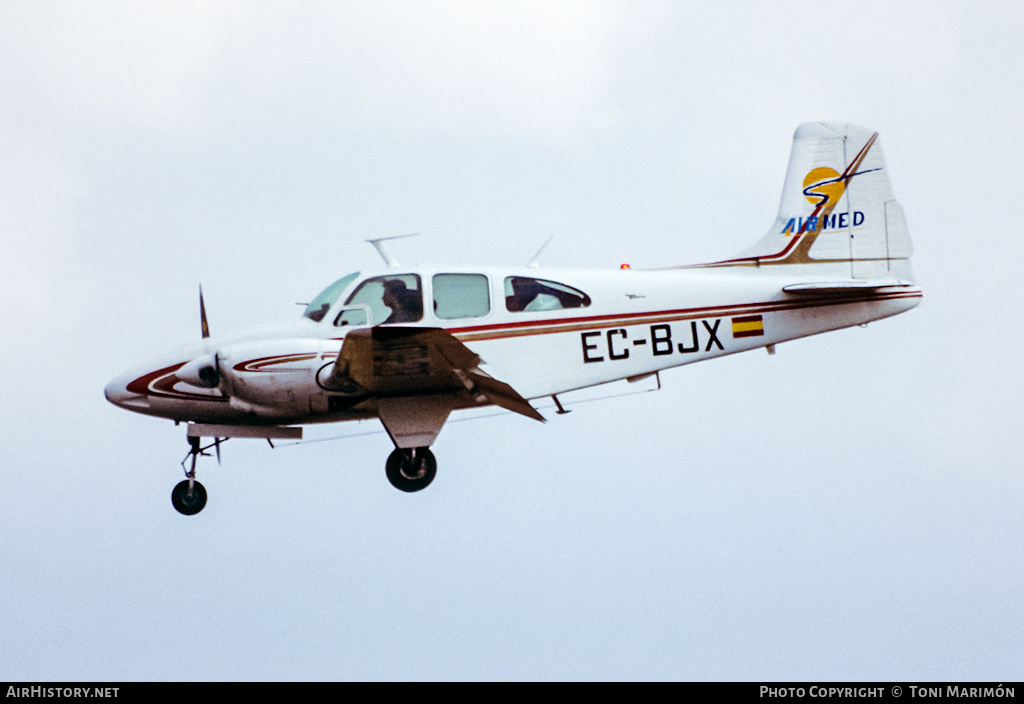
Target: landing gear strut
411	469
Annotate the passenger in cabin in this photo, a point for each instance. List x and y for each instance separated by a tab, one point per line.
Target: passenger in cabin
524	291
406	306
537	295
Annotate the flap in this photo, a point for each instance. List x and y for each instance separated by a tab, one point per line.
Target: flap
501	394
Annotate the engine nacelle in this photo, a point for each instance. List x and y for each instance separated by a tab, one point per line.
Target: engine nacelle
276	375
203	372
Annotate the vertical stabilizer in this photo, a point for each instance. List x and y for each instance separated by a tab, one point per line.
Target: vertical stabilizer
837	211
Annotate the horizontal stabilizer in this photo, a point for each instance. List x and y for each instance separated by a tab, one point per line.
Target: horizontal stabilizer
848	287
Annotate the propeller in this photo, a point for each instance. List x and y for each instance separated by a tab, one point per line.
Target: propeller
202	314
202	371
205	373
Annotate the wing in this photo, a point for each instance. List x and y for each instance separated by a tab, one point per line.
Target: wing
419	375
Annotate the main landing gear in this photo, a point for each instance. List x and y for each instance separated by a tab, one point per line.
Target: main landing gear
411	469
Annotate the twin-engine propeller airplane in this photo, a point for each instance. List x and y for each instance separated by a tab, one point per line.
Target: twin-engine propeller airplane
411	345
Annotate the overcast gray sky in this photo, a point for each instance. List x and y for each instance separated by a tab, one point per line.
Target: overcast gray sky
847	509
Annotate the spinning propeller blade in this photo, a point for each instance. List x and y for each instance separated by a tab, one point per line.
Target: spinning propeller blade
202	314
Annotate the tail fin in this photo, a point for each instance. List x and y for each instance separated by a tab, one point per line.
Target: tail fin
838	213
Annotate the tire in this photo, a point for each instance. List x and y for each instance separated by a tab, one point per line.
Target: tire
411	469
188	503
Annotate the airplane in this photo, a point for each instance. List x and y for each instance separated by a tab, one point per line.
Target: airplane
411	345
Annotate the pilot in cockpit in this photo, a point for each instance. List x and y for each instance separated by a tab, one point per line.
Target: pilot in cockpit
406	306
318	314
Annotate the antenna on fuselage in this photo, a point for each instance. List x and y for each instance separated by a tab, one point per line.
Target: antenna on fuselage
378	244
535	262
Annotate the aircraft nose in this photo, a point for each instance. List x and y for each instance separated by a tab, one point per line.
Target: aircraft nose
116	391
118	394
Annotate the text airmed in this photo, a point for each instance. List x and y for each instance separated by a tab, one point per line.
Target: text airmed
835	221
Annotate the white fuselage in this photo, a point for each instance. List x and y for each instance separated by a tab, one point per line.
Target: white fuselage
635	323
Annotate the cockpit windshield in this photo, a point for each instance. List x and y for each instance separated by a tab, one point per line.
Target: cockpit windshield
318	308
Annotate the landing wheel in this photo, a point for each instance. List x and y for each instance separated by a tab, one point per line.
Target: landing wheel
411	469
188	501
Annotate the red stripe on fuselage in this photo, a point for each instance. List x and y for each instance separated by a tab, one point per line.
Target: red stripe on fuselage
160	382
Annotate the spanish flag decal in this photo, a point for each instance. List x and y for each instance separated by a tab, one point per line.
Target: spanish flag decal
747	326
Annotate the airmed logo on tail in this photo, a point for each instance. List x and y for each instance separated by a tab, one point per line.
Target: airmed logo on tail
823	187
829	221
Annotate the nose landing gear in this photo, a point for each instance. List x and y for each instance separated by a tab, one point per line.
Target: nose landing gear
189	496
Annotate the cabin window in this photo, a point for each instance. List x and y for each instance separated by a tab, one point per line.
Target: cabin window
525	294
319	306
396	298
461	296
